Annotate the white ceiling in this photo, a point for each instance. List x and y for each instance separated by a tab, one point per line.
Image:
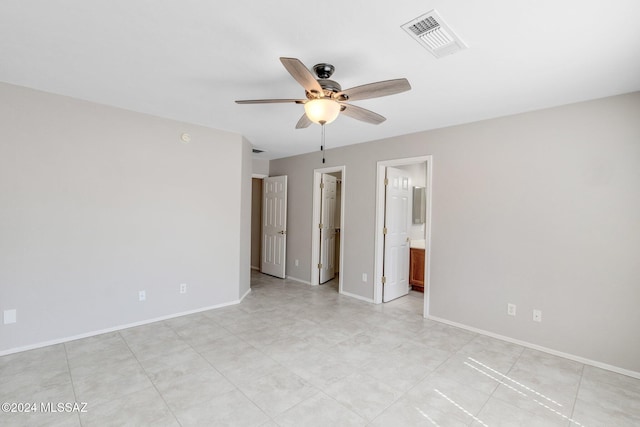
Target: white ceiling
189	60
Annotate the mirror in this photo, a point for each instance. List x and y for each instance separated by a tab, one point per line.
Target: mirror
419	198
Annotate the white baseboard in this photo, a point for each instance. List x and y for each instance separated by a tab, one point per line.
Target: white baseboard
295	279
245	294
569	356
117	328
361	298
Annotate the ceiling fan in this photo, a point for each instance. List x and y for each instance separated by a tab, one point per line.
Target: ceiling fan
325	99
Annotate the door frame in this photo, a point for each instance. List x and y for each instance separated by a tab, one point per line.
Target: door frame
315	220
379	237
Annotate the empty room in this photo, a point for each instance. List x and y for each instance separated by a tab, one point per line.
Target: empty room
421	213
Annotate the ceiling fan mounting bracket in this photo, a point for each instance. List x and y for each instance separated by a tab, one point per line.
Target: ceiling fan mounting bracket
324	70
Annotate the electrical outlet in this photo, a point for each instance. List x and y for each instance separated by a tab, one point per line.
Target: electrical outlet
511	309
364	277
142	295
10	316
537	315
183	288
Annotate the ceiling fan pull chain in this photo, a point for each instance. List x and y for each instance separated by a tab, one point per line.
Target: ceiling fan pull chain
322	144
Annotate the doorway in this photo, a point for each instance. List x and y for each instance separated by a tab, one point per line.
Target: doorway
256	221
327	234
421	235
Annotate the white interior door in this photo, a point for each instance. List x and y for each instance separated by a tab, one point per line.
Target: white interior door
327	227
397	222
274	225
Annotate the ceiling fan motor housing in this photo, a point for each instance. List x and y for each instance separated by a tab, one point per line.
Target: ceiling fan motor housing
330	86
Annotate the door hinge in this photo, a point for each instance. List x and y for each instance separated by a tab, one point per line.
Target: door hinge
320	226
384	231
384	280
322	185
319	265
386	181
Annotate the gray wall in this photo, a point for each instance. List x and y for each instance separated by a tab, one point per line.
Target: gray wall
97	203
260	166
539	209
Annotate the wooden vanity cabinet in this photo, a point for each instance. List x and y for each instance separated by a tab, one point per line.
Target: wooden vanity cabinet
416	269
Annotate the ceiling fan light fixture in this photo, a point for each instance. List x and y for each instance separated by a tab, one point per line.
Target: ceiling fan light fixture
326	99
322	110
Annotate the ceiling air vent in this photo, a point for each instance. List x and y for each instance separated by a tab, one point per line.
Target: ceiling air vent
434	34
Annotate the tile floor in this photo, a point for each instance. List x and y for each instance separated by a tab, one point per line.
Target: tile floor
296	355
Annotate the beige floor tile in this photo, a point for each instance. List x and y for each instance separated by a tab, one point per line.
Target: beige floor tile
40	419
228	409
401	373
499	413
607	398
414	412
255	368
364	395
320	369
106	383
443	394
230	353
144	407
498	354
319	411
187	390
37	386
293	354
167	367
277	391
463	369
556	387
287	349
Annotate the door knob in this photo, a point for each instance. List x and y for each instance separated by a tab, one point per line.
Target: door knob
283	232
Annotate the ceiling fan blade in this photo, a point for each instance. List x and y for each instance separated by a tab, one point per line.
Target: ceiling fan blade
375	90
302	75
362	114
304	122
269	101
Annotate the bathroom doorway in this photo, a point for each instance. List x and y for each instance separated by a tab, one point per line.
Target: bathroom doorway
405	260
328	224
